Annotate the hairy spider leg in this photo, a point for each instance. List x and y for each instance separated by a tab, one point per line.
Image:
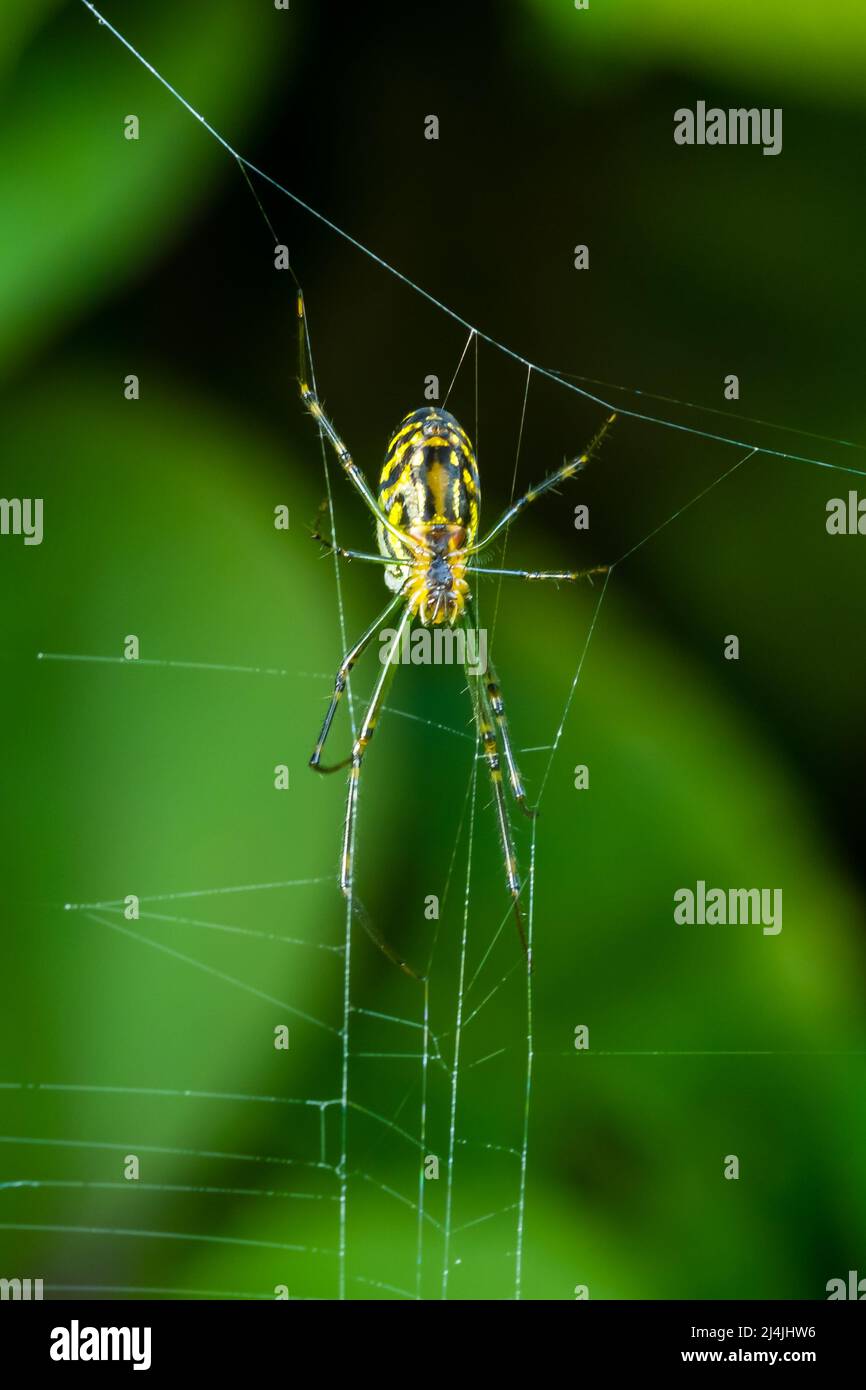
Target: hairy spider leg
340	685
568	470
484	722
365	734
496	704
347	463
557	576
344	554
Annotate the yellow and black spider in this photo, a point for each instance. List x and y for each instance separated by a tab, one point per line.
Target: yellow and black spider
426	514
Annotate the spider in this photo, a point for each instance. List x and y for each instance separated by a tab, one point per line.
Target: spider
427	513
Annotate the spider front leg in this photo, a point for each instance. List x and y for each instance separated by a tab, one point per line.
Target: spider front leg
365	734
568	470
340	685
313	405
491	757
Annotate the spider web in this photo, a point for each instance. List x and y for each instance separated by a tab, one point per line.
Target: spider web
319	1167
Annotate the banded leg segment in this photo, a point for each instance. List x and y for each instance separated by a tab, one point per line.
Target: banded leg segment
340	685
347	463
353	554
568	470
491	692
484	723
558	576
365	734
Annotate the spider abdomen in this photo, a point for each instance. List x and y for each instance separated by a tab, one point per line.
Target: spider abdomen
429	477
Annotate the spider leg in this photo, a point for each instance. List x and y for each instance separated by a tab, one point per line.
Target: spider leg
568	470
353	554
340	685
365	734
491	757
560	577
491	694
347	463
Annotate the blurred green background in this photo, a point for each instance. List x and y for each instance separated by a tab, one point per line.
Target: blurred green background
155	1037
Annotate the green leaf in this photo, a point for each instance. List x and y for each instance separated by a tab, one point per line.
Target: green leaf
87	208
814	48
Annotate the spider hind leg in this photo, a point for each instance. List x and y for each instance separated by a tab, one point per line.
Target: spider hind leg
484	721
365	734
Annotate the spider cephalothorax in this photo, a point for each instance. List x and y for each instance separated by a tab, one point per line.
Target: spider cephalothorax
435	585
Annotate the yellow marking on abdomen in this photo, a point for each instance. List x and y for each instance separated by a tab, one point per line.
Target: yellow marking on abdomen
437	482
